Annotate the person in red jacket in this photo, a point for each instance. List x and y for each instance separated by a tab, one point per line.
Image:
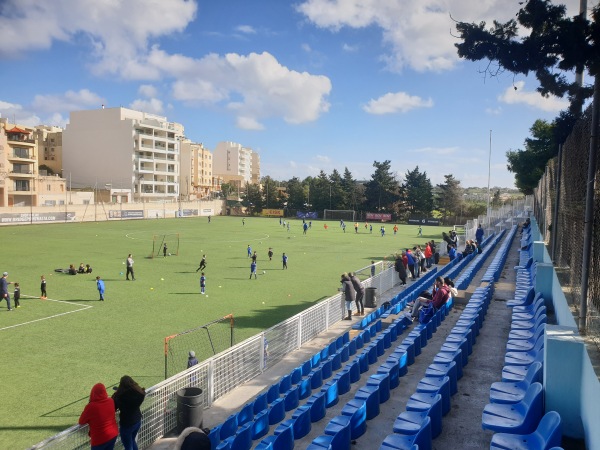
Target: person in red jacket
99	415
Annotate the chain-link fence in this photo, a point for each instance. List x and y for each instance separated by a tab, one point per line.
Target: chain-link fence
560	211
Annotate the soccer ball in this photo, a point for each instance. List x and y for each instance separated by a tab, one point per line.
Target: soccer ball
264	271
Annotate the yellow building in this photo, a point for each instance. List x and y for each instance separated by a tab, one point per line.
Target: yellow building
21	183
197	180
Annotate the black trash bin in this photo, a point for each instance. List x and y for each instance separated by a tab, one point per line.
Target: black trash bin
371	297
189	408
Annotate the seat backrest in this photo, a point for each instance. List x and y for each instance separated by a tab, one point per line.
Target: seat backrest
549	429
534	375
532	399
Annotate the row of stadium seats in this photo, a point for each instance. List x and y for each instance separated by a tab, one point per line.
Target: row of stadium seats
516	409
422	420
494	270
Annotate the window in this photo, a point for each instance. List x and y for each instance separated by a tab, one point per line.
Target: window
48	187
21	185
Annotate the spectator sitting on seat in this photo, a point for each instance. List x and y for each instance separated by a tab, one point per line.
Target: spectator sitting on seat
452	252
81	268
453	291
193	438
440	296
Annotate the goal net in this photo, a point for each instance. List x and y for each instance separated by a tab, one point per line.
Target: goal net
205	341
339	214
160	240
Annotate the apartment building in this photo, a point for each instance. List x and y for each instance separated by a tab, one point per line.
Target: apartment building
122	149
236	164
197	180
49	141
21	181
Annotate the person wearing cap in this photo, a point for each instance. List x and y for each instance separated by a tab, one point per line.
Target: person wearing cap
4	295
192	360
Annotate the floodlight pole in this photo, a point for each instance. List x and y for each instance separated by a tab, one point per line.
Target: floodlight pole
488	187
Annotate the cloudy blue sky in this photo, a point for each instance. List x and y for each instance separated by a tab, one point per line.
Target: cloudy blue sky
309	84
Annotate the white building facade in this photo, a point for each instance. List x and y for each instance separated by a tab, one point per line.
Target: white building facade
123	149
236	163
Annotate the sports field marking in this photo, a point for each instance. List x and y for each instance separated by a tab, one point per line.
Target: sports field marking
83	307
188	239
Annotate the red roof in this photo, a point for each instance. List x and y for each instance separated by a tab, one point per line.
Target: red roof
18	130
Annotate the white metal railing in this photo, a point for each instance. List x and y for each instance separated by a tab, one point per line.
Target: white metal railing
229	369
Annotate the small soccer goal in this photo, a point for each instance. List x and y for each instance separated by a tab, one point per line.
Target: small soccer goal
205	341
165	245
347	215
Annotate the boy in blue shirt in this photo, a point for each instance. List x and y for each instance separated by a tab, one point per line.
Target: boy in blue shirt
202	283
253	269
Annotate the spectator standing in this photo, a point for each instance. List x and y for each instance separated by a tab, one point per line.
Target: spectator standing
479	235
428	255
399	267
4	289
411	263
99	415
359	289
348	295
129	268
128	398
372	269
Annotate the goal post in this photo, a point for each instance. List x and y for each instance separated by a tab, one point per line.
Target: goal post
206	341
158	242
339	214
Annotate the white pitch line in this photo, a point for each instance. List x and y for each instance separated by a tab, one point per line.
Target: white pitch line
83	307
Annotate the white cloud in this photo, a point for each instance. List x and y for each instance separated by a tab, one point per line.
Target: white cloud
417	33
147	90
67	102
249	123
350	48
518	95
494	111
306	48
261	86
322	159
399	102
153	105
119	31
246	29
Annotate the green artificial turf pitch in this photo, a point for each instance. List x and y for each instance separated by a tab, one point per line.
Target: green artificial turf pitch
54	350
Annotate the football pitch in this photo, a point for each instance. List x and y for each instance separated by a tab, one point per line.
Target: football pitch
54	350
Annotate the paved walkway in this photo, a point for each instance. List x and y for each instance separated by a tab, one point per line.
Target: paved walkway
461	427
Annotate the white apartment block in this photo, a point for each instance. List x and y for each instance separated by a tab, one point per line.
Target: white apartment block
122	149
236	164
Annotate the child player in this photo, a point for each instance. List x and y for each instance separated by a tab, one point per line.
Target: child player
43	288
202	283
17	295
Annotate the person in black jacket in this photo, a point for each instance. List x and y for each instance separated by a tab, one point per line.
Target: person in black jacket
348	291
128	398
399	267
359	289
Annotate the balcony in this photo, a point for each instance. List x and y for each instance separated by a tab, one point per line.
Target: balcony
15	138
22	154
21	173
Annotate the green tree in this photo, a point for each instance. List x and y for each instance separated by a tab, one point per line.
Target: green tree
296	196
270	193
496	199
554	47
528	165
252	198
336	191
450	197
382	191
418	193
227	189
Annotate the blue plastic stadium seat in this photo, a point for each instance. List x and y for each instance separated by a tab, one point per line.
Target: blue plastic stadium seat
273	393
354	368
432	405
444	369
296	375
382	380
276	411
260	403
326	369
356	409
260	426
513	392
215	436
336	361
417	425
343	381
229	427
337	434
246	414
243	438
392	368
304	388
316	378
546	435
291	398
517	418
301	422
370	394
331	393
317	406
437	385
